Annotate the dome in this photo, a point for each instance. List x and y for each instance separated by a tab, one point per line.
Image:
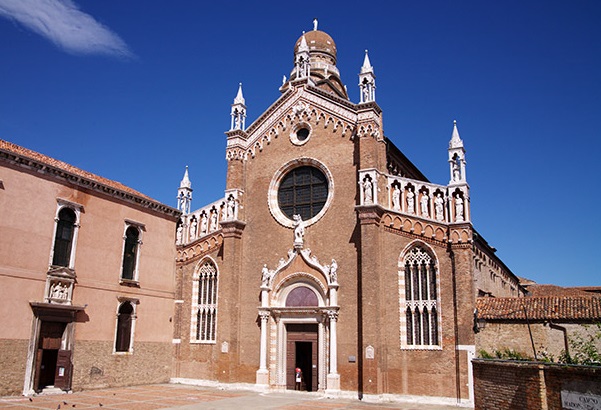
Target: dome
318	41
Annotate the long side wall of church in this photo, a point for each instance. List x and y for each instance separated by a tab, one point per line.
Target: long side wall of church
409	371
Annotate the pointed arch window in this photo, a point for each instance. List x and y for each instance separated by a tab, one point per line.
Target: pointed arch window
419	300
204	304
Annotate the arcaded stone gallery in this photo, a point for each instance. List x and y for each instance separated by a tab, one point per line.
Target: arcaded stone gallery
331	263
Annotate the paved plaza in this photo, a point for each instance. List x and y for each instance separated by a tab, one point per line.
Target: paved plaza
182	397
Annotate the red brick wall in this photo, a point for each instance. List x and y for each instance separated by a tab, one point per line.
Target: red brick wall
508	385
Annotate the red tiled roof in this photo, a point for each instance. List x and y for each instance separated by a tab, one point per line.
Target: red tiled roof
554	290
28	158
540	308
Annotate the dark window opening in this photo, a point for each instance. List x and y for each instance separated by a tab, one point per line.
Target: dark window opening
130	253
302	134
63	241
124	323
303	191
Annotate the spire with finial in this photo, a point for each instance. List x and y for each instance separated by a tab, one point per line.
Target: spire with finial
238	113
367	81
302	64
456	157
184	194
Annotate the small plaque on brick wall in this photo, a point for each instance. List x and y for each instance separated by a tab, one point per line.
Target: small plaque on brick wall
369	352
225	347
576	400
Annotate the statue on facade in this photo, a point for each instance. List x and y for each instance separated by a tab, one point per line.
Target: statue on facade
458	208
396	198
334	271
180	234
439	207
424	204
204	224
410	201
368	191
193	229
265	276
456	171
299	230
214	220
231	207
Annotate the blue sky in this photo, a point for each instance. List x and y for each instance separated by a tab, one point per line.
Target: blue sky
136	90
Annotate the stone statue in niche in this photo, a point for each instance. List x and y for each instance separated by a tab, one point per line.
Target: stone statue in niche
458	208
213	220
299	230
334	271
223	211
204	224
424	204
456	171
368	191
193	229
396	198
231	207
180	234
439	207
410	201
59	290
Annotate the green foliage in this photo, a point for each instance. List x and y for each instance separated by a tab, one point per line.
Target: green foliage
504	354
584	349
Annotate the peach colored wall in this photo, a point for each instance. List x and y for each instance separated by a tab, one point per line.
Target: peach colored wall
29	208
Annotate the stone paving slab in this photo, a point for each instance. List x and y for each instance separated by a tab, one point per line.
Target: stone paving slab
185	397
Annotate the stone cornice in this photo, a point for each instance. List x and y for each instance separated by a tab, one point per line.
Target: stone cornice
369	214
66	177
232	229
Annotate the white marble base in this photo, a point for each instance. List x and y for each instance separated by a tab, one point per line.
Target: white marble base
262	377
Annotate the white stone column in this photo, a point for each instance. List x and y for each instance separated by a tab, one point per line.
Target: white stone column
333	376
263	373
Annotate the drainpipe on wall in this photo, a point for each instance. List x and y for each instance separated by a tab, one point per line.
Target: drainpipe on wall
565	336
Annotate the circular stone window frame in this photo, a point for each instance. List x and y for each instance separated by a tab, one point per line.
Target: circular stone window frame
274	186
293	135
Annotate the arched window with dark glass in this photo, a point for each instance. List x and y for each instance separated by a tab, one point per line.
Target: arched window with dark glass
204	303
63	240
124	327
303	191
421	299
130	253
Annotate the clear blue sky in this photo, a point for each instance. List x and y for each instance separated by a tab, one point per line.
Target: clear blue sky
136	90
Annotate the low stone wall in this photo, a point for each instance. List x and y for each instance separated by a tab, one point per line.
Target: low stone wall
509	385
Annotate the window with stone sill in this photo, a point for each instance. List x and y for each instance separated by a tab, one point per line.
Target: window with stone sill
131	251
66	227
204	303
419	301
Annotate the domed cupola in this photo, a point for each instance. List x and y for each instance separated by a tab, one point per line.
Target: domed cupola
320	50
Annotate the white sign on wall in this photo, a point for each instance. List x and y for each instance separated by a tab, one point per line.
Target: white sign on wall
580	401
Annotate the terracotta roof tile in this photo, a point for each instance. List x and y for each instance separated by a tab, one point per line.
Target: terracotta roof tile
540	308
28	158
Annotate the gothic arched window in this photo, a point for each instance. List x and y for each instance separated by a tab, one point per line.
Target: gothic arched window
63	239
204	303
420	301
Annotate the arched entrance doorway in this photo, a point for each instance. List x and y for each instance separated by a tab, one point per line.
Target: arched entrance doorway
298	316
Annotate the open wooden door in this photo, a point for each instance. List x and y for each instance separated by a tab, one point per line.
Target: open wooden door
64	367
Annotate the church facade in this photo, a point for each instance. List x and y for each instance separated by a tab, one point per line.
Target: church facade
331	263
